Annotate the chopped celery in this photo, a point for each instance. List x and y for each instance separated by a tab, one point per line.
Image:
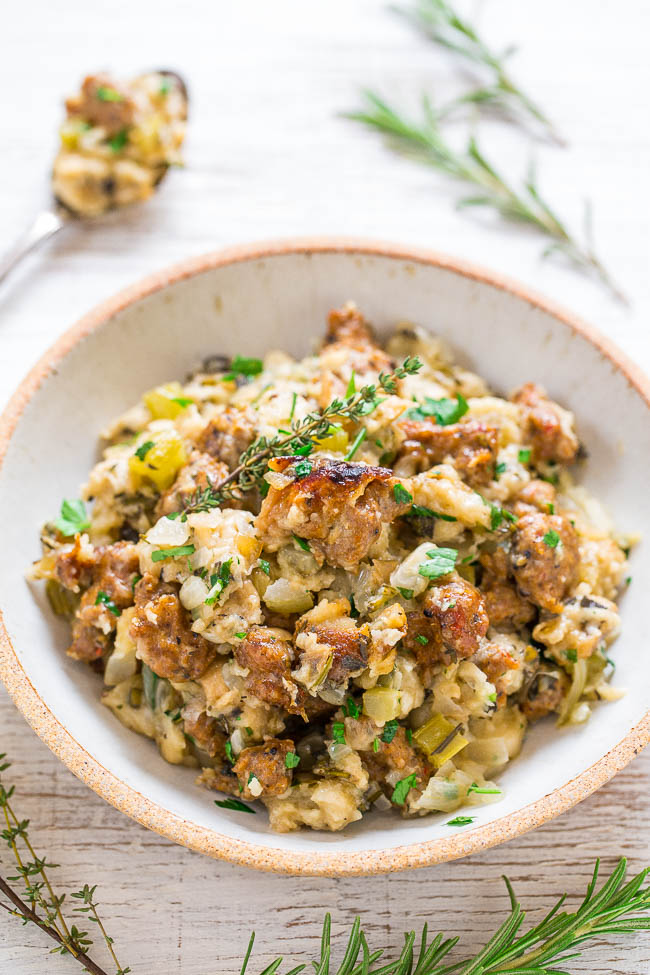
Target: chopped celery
166	402
432	735
162	461
381	704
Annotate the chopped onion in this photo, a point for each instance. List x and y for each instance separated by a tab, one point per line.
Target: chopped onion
168	531
193	592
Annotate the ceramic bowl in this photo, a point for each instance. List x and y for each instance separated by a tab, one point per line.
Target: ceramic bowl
248	300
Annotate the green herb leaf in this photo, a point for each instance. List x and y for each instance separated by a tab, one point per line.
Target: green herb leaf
375	745
441	562
499	515
175	552
422	639
406	593
460	821
107	94
149	684
338	732
142	452
218	582
483	791
356	443
104	598
552	539
351	390
571	655
500	469
165	86
402	789
183	401
303	468
118	141
229	753
351	708
417	511
291	760
304	545
265	566
524	455
235	804
390	730
73	518
240	636
401	495
445	411
240	366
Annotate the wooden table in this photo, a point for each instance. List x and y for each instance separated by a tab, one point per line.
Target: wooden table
268	156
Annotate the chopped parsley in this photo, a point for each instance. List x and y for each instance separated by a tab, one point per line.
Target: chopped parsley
499	515
375	745
551	538
356	443
149	685
291	760
72	518
303	468
351	708
165	86
142	452
240	366
265	566
409	736
445	411
294	398
119	140
461	821
406	593
235	804
571	655
352	388
183	401
105	599
302	450
240	636
218	582
422	639
338	733
134	581
492	697
440	562
500	469
172	553
390	730
480	791
304	545
106	94
403	788
417	511
524	456
229	755
401	495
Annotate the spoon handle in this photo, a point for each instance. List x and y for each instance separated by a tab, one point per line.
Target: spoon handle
45	224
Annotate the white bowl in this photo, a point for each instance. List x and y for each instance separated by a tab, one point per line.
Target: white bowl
249	300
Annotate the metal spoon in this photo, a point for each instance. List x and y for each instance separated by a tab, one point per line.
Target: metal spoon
50	221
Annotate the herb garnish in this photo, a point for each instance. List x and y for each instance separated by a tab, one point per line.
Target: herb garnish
390	730
356	443
551	538
218	582
499	515
403	788
351	387
240	367
235	804
172	553
500	469
73	518
338	732
524	456
405	593
481	791
291	760
445	411
103	597
302	543
107	94
119	140
351	708
401	495
422	639
303	468
571	655
305	434
461	821
229	752
417	511
440	562
265	566
142	452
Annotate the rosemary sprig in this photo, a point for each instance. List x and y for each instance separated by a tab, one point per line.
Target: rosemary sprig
40	905
616	908
425	142
299	440
442	23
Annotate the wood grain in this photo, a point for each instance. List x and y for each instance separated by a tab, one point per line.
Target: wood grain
267	156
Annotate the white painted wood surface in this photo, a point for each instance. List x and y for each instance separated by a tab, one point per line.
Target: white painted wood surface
268	156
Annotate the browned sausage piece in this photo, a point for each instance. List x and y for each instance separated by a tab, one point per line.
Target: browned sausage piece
547	425
104	102
471	447
227	436
267	764
459	609
503	604
267	653
203	471
396	756
346	326
341	642
545	694
536	494
161	630
339	507
544	558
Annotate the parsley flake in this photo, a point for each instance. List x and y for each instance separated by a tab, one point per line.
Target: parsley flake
406	593
441	562
172	553
235	804
142	452
351	390
105	599
375	745
422	639
304	545
524	456
499	515
291	760
106	94
218	582
72	519
240	367
265	566
445	411
401	495
118	141
356	443
338	733
461	821
351	709
571	655
390	730
551	538
500	469
303	468
240	636
228	750
403	788
482	791
418	511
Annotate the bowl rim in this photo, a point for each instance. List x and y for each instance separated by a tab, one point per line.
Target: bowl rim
209	841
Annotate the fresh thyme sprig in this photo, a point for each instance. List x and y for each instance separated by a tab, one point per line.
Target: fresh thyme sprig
442	23
424	141
616	908
299	440
39	904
